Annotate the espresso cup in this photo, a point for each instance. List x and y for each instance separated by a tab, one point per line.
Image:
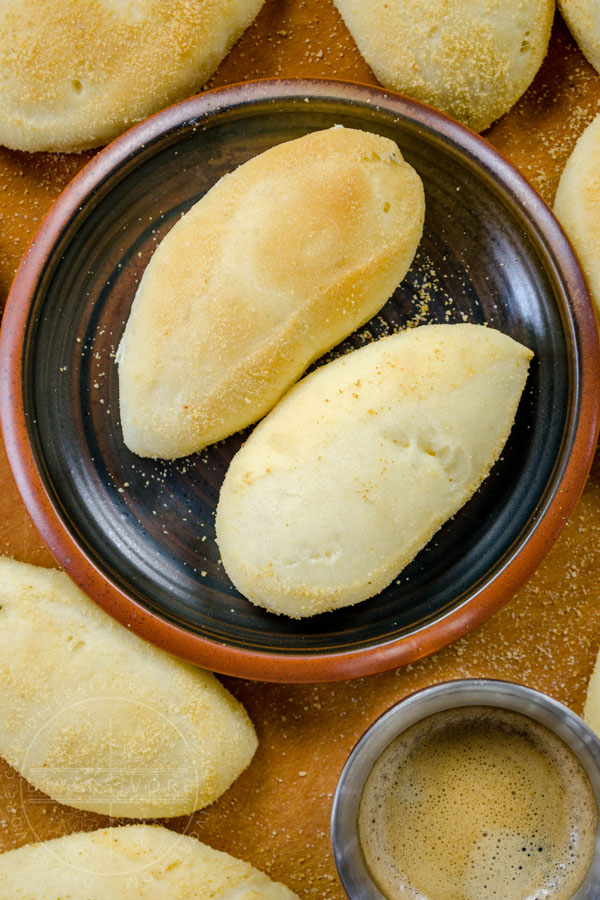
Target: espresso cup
453	696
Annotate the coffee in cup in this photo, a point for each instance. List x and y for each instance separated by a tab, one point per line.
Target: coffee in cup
477	802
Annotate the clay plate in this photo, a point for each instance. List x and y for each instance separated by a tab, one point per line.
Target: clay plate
138	534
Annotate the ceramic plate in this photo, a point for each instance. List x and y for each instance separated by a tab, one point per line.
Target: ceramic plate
138	534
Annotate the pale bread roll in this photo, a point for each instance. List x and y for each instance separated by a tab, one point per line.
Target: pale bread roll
577	204
583	19
470	58
100	720
362	461
135	862
75	73
277	263
591	709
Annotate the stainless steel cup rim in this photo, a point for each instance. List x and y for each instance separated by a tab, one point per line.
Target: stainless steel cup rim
428	701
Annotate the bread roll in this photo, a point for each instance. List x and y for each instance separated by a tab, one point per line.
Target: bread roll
470	58
591	709
359	465
276	264
75	73
137	862
100	720
577	204
584	24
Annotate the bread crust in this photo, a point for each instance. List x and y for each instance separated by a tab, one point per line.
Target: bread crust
583	21
577	204
134	862
279	262
76	73
100	720
353	472
591	709
470	58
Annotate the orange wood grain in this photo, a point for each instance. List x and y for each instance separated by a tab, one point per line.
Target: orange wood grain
277	814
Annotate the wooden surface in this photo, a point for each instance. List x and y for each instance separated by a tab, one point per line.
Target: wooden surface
277	814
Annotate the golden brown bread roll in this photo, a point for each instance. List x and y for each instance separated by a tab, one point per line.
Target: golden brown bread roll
75	73
276	264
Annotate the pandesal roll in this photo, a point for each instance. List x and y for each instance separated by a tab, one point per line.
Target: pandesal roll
76	73
353	472
470	58
100	720
584	24
277	263
135	862
577	204
591	709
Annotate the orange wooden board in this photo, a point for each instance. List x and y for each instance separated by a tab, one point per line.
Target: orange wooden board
277	814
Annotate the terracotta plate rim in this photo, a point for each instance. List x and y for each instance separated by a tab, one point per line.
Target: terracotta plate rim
328	666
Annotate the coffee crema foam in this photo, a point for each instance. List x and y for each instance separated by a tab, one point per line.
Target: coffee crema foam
478	803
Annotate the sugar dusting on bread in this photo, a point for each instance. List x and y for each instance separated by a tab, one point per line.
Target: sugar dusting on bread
75	73
342	484
472	60
279	262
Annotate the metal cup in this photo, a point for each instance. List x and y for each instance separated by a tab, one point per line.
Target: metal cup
451	695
